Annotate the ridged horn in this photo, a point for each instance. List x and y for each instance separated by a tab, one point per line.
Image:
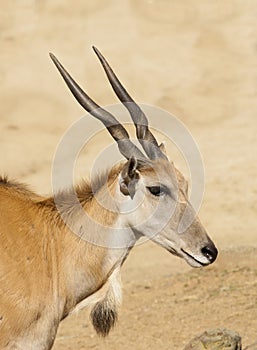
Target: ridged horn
117	131
144	135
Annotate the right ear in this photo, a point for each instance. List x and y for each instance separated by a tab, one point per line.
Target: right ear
129	177
163	148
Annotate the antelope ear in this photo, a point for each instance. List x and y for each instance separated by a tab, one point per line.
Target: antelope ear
129	178
163	148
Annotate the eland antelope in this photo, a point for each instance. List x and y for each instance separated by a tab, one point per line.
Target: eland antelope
59	254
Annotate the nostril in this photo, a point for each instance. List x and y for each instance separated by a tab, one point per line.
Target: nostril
210	252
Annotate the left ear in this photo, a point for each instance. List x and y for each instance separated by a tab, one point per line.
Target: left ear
129	178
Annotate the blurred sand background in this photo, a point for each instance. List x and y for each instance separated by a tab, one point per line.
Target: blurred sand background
195	59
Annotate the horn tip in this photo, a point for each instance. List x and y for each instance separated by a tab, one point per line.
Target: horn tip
56	62
98	53
52	56
95	49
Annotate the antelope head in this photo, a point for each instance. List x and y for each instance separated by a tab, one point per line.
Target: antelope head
153	194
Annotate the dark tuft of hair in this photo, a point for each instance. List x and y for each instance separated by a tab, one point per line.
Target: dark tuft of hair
103	318
3	180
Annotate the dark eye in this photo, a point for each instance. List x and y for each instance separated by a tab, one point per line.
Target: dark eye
156	190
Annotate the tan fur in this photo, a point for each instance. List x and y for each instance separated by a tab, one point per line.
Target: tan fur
48	270
43	263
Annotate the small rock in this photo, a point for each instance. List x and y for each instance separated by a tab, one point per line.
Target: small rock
216	339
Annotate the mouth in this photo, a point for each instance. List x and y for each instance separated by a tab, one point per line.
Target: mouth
194	261
191	260
173	252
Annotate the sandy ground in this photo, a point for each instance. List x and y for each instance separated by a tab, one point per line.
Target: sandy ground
196	60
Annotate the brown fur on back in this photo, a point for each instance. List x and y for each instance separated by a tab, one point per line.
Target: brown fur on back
84	191
19	188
